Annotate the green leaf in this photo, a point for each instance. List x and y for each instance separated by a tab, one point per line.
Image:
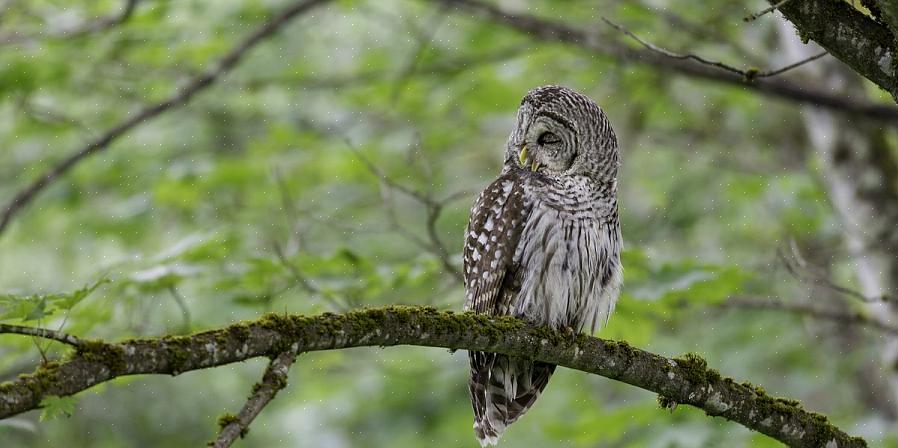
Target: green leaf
53	407
68	301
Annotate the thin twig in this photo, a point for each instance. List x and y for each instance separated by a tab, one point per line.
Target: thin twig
433	209
811	310
274	379
791	66
44	333
670	54
179	98
803	271
305	283
94	26
757	15
182	304
748	75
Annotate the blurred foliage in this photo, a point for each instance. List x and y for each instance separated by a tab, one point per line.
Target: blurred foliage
252	199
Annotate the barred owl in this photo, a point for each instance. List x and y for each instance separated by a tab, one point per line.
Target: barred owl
543	243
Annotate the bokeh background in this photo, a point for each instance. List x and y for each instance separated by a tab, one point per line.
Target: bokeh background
334	168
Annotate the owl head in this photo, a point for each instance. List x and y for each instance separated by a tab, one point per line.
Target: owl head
559	133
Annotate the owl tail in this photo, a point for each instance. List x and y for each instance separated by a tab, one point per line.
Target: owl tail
502	390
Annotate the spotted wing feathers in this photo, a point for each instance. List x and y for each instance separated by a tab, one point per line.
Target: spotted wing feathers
491	238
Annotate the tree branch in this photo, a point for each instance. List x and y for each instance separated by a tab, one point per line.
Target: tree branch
862	43
747	74
685	380
779	87
95	26
274	379
44	333
179	98
811	310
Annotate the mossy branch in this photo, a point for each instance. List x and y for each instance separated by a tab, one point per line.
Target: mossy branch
685	380
865	45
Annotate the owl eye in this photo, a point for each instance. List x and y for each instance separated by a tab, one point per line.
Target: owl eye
547	138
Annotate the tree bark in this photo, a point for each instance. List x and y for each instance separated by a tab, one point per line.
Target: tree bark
862	43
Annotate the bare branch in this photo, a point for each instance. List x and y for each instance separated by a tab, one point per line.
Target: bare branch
811	310
779	87
95	26
791	66
179	98
803	271
686	380
274	379
433	208
182	305
40	333
748	74
305	283
757	15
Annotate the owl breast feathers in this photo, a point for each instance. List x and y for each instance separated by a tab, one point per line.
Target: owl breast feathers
543	243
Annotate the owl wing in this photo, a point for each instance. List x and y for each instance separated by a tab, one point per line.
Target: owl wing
497	219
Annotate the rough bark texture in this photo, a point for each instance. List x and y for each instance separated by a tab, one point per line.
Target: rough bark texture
865	45
685	380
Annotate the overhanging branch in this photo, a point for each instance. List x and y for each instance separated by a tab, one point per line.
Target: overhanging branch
685	380
865	45
778	87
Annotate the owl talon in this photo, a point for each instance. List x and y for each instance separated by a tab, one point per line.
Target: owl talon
569	332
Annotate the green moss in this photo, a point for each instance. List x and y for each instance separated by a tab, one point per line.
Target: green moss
110	355
620	349
226	419
177	352
696	369
39	382
666	402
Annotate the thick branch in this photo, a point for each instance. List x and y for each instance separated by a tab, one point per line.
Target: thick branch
779	87
865	45
179	98
683	380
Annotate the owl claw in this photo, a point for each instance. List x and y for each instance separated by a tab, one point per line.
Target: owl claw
569	332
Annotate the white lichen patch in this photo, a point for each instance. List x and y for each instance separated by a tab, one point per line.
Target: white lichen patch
670	375
766	422
883	58
716	404
832	444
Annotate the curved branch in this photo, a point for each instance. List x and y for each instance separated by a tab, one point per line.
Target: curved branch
779	87
685	380
200	82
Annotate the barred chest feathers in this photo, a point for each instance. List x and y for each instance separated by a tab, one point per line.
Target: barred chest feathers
569	252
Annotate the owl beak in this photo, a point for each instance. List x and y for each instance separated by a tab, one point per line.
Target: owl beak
522	156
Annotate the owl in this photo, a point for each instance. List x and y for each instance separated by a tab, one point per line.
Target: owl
543	243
